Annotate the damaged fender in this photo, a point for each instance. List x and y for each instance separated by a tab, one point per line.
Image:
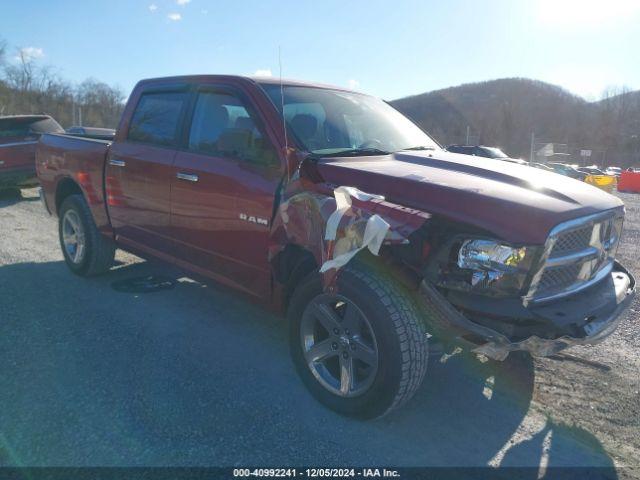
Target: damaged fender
335	228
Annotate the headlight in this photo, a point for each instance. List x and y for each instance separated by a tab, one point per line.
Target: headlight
492	267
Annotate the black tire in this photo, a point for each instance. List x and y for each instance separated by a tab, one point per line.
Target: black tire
99	251
401	338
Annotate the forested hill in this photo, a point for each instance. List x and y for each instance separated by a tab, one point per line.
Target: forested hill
506	112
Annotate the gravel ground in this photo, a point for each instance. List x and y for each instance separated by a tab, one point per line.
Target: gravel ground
195	376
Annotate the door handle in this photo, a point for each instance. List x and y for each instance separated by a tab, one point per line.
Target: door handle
190	177
117	163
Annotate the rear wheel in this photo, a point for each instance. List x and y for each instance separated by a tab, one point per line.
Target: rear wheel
86	251
363	351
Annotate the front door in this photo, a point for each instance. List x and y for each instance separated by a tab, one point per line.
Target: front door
223	188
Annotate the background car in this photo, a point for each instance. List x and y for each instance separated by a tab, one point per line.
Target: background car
19	135
567	170
482	151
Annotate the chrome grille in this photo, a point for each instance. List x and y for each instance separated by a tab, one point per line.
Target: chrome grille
573	241
558	278
577	254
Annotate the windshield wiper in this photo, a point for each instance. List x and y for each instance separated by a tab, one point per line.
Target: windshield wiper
354	152
419	147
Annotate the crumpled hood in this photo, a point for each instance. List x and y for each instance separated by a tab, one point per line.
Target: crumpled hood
517	203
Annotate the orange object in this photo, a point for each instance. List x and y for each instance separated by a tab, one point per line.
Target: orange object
629	182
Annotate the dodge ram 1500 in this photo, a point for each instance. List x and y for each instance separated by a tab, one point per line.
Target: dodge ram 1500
335	208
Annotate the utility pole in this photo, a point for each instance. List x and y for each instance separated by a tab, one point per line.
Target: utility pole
467	142
80	115
533	141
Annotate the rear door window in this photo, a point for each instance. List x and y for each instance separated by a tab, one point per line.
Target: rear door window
156	119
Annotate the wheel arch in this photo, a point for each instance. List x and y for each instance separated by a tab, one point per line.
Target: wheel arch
66	186
290	266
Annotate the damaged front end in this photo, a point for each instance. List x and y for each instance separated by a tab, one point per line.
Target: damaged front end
490	297
498	298
495	328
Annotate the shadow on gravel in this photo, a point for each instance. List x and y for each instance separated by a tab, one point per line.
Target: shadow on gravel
12	196
197	376
9	197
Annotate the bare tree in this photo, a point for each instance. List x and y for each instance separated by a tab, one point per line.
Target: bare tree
26	86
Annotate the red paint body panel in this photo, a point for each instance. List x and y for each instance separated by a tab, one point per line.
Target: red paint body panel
518	203
205	221
17	161
18	139
64	158
17	153
139	193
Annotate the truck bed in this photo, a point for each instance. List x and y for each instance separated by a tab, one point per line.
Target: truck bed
63	160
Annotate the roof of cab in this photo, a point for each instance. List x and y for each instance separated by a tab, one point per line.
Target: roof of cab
255	79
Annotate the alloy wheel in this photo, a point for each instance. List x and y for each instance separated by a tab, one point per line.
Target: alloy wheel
339	345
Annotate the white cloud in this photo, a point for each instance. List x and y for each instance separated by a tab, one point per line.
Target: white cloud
30	53
182	2
153	7
174	17
353	84
263	73
582	13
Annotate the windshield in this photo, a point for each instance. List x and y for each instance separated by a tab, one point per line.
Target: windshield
329	122
495	152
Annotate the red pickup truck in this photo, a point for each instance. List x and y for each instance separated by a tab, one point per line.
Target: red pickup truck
18	138
335	208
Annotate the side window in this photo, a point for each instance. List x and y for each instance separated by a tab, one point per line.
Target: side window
156	119
222	126
13	128
480	152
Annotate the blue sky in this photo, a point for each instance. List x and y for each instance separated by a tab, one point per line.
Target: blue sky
386	48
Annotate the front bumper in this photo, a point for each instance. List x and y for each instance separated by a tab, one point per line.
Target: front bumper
18	177
587	317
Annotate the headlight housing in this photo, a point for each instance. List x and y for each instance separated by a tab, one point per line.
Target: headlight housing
490	267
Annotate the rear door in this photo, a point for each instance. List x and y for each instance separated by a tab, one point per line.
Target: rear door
223	189
140	167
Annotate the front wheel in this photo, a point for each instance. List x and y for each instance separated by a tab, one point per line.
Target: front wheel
363	351
86	251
